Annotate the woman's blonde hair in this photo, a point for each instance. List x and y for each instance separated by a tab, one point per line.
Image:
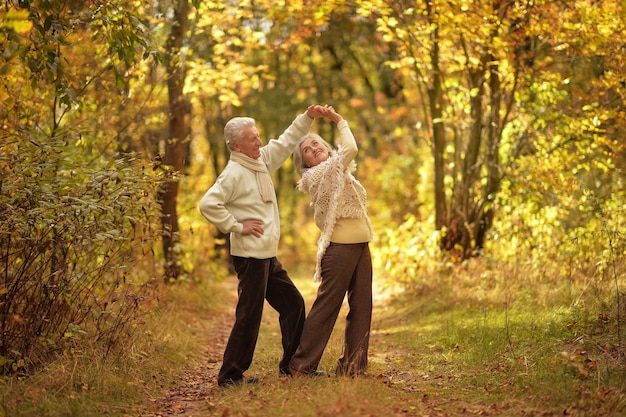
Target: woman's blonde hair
298	161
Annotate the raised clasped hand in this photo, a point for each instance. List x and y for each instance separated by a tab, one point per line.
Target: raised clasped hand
315	111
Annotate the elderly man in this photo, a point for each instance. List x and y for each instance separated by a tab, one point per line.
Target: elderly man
242	202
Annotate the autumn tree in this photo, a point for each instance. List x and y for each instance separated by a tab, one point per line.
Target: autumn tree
565	171
76	215
466	60
178	127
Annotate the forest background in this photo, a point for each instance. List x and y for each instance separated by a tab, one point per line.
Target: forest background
491	139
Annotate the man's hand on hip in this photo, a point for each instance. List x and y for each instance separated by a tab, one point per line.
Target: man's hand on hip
252	227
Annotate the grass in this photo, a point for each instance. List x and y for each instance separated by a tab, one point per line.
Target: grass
78	383
476	343
504	340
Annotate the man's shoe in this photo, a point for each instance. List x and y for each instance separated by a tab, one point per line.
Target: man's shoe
237	382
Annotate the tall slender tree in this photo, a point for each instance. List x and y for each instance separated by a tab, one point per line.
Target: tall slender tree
178	129
463	59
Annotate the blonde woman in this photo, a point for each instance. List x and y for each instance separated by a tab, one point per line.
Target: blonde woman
344	263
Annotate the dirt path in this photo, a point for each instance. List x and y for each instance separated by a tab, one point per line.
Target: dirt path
189	397
196	389
411	391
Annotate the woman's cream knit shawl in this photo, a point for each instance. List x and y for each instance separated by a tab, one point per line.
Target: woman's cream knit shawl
335	193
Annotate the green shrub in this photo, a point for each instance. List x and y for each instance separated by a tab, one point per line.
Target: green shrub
70	235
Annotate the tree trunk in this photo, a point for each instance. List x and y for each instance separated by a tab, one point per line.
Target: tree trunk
435	95
494	134
175	147
471	217
464	216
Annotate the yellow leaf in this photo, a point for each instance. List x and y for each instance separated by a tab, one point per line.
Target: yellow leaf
17	20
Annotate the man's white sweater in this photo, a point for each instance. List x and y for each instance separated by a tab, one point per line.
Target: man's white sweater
235	197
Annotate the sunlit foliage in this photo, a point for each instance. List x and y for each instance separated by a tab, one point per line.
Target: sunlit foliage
489	129
77	216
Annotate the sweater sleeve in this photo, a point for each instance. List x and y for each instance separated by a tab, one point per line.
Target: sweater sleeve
278	150
348	142
213	208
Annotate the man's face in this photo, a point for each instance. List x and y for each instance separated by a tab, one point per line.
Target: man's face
250	144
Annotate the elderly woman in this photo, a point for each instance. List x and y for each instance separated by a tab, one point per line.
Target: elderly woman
343	263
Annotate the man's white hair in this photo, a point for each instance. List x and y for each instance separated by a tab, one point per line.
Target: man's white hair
233	131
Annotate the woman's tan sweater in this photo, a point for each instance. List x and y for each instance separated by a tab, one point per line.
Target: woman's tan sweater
338	198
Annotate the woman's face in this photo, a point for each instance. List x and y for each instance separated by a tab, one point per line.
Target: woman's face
314	152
